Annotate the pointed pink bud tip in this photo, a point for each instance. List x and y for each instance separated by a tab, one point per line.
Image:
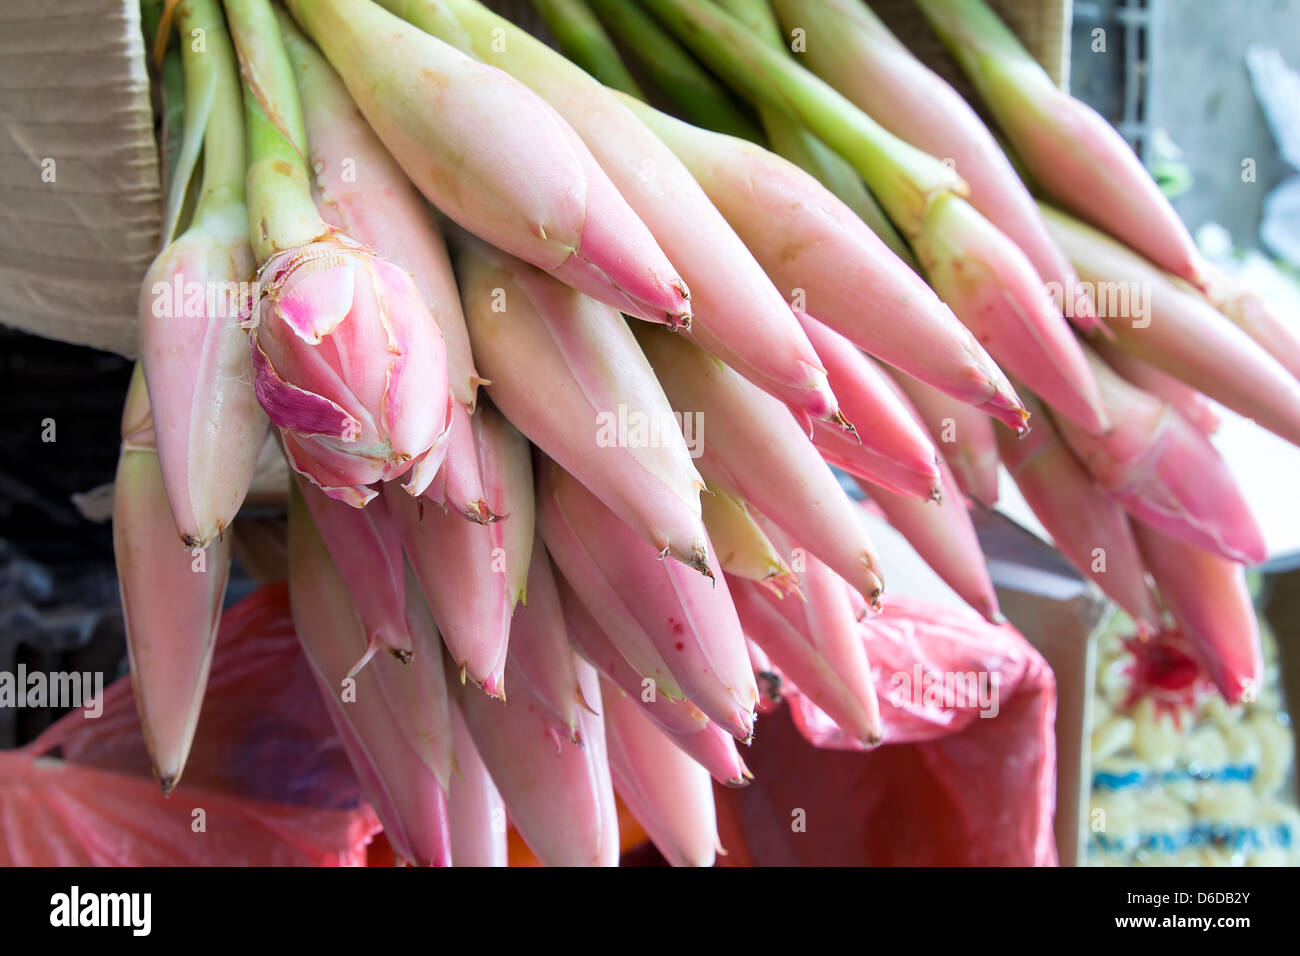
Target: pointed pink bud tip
167	785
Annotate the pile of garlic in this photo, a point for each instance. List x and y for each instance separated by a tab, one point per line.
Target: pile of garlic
1215	791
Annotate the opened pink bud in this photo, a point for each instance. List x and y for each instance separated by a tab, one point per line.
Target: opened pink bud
351	367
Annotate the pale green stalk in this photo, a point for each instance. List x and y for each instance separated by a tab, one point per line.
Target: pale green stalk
791	139
701	98
904	179
585	42
281	212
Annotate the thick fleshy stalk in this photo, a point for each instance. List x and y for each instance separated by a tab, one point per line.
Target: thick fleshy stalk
366	545
849	47
208	425
994	290
463	578
820	649
886	428
691	88
903	178
833	266
668	792
1087	525
539	647
348	362
567	372
405	792
491	155
171	597
755	450
658	613
558	793
584	41
476	813
1255	315
1209	600
1179	332
684	723
739	544
963	435
1165	472
1072	152
1190	403
741	317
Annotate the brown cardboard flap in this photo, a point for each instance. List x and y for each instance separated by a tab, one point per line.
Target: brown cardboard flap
75	108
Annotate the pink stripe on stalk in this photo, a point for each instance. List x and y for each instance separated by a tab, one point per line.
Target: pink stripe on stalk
1179	332
490	154
566	370
366	544
1165	472
1072	152
1087	525
756	450
476	813
1209	600
816	248
399	783
171	597
650	608
964	436
851	49
996	293
668	793
558	793
885	427
684	723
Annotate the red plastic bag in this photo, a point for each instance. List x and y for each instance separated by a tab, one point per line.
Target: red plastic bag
267	783
949	787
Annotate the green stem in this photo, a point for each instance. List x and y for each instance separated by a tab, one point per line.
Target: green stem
700	97
585	42
207	52
904	179
791	139
281	212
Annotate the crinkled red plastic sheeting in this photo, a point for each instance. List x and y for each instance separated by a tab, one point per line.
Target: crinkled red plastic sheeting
948	787
266	769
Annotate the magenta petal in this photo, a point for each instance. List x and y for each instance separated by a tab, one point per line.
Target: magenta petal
291	407
316	303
